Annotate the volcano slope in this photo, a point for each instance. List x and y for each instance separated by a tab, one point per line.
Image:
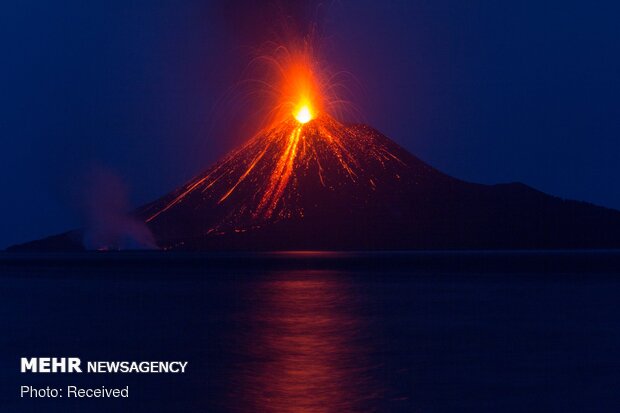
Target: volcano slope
323	185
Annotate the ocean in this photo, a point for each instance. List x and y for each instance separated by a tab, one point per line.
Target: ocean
503	331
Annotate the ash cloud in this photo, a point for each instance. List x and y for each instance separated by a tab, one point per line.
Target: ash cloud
109	223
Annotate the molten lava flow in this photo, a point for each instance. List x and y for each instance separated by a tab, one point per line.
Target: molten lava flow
261	181
280	177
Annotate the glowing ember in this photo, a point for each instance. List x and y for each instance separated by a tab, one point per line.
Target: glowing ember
303	114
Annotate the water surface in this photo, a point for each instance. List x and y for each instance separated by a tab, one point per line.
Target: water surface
321	332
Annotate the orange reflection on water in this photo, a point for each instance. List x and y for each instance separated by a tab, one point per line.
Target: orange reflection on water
304	351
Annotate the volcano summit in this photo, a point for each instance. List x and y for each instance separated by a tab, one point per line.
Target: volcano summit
314	183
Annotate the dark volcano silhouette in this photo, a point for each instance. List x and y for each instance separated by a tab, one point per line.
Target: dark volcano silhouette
327	186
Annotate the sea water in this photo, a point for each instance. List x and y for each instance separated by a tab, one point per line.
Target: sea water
319	332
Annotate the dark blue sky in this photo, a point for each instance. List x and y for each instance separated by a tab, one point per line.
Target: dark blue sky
488	91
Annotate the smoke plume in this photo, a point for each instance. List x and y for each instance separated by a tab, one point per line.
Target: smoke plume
109	224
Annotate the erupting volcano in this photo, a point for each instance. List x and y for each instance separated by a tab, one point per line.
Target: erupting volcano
292	179
310	181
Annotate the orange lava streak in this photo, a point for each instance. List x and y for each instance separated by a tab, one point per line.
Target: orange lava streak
189	189
340	150
252	165
192	186
280	176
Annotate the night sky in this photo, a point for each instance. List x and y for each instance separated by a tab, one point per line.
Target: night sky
487	91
